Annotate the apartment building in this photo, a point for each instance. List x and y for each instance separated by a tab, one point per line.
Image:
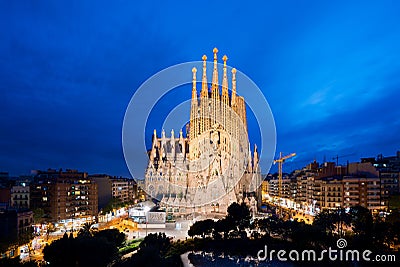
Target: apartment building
64	195
20	196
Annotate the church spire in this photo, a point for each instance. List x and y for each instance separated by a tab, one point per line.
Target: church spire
204	89
255	157
225	78
154	137
153	152
193	128
194	90
233	87
215	71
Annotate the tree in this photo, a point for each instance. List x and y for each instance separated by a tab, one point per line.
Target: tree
25	236
60	252
393	217
201	228
153	251
194	230
114	203
342	219
325	221
8	239
239	214
113	236
395	233
86	230
269	226
303	235
38	216
393	223
159	241
361	220
15	262
97	250
383	233
225	226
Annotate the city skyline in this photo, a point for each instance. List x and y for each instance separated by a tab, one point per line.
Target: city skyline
328	71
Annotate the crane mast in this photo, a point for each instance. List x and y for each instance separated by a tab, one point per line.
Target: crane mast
280	162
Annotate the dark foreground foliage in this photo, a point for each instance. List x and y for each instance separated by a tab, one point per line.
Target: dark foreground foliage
99	249
156	250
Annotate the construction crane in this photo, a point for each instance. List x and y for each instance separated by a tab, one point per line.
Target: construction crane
280	162
341	156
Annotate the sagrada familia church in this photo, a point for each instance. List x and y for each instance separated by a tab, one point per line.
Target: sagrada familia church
212	165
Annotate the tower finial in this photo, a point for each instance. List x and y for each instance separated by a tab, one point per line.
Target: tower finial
233	87
215	51
204	90
225	78
215	71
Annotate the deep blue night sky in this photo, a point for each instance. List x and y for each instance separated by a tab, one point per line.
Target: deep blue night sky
330	71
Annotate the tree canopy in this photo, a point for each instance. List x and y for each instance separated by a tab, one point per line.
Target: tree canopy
97	250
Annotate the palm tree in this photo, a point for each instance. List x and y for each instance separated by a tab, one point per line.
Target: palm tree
86	230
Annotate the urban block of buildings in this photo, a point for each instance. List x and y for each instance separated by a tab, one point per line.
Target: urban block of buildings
369	183
66	199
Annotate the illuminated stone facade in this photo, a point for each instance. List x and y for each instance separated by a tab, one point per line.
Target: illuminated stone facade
212	166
